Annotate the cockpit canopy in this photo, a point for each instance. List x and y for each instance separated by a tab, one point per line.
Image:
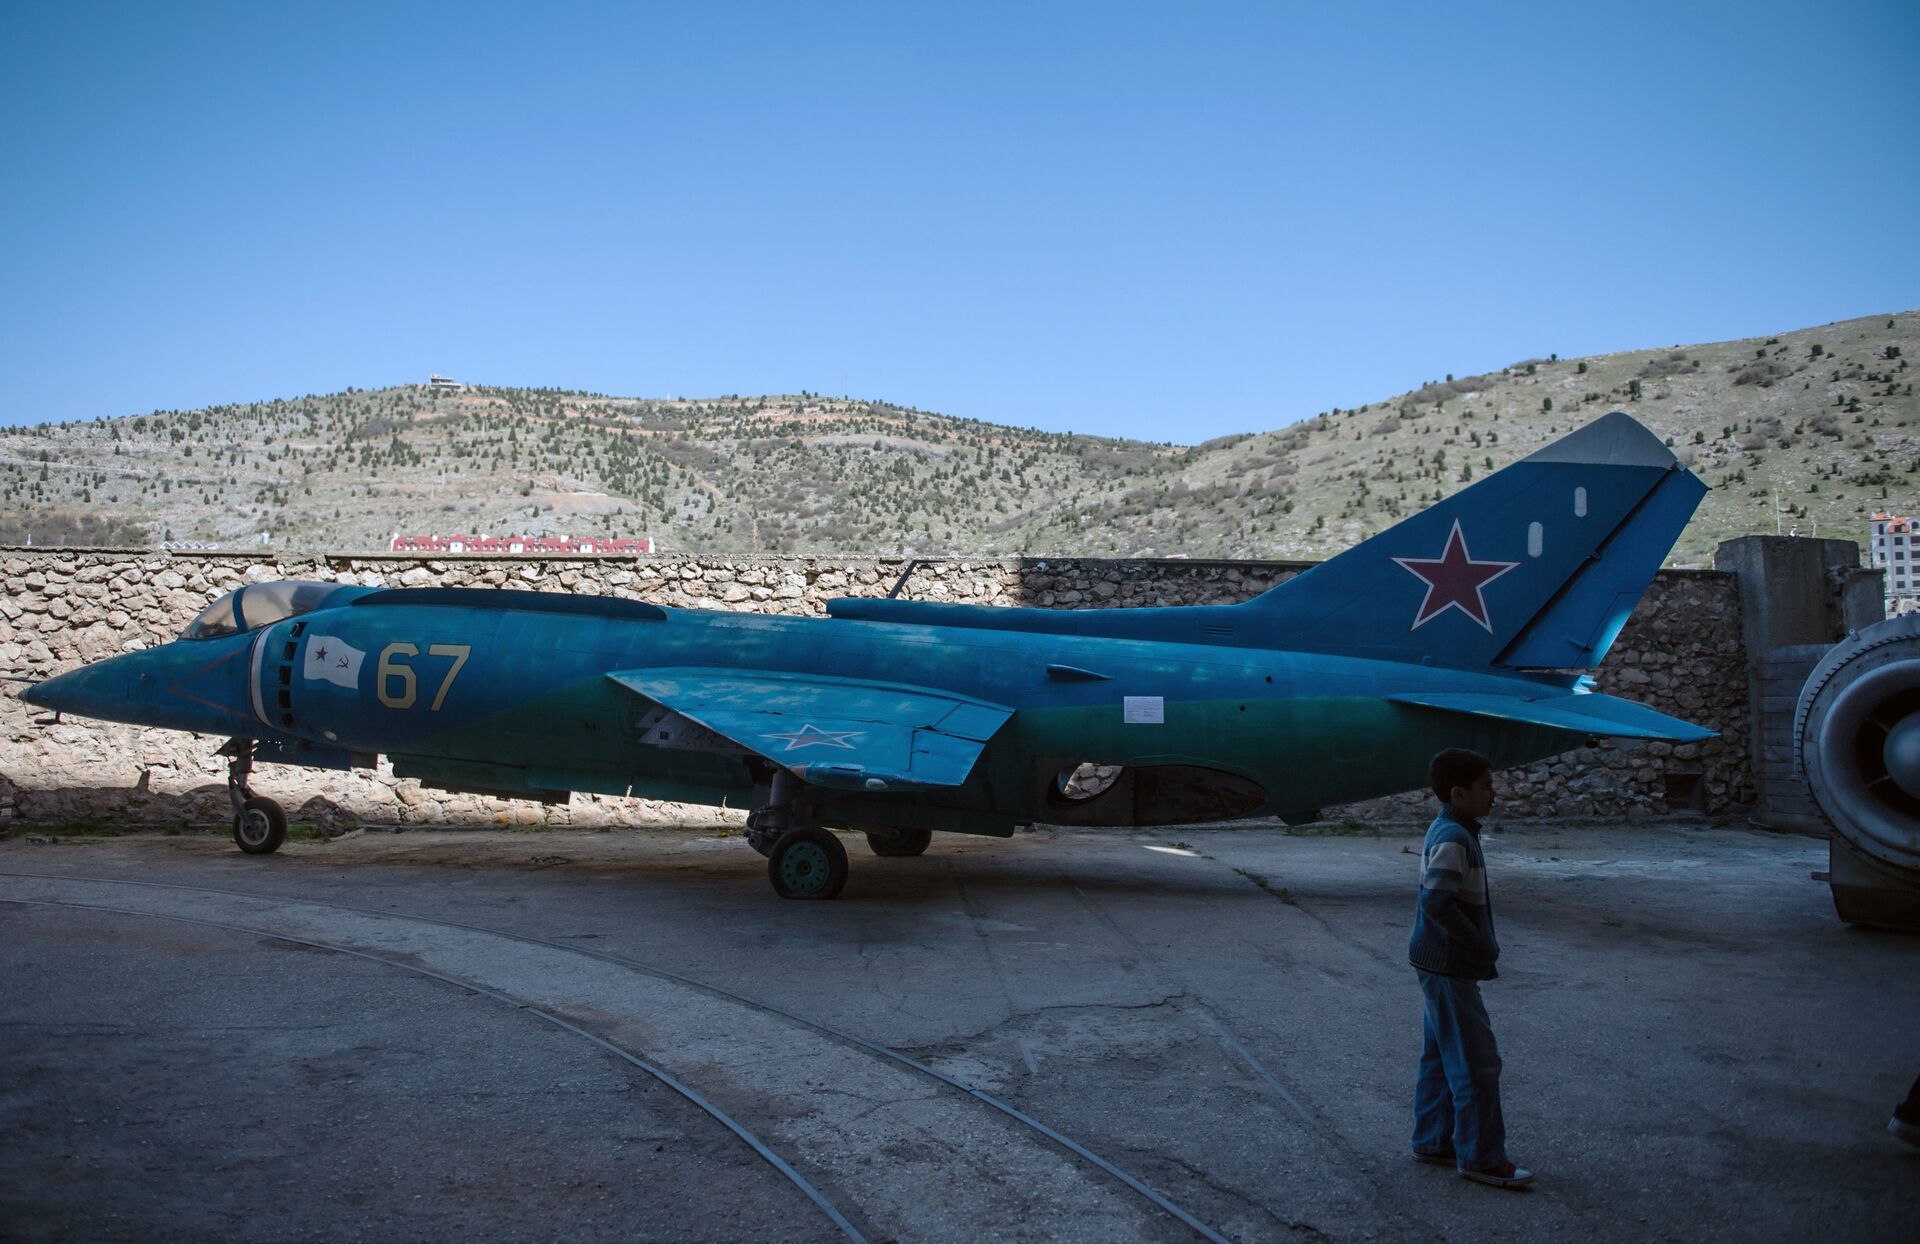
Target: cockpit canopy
260	604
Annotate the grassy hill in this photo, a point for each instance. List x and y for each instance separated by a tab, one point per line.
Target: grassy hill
1807	430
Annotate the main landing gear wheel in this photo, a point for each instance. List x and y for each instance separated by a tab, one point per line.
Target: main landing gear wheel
807	863
899	842
260	826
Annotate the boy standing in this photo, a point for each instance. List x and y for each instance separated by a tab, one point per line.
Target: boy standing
1456	1100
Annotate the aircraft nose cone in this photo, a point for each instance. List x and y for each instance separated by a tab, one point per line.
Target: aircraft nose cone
82	692
198	685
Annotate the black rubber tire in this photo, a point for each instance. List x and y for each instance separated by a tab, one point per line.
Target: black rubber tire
261	828
807	863
899	843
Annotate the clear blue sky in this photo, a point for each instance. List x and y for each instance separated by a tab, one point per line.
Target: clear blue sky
1167	221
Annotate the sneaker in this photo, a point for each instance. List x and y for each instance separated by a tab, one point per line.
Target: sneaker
1909	1132
1444	1158
1506	1175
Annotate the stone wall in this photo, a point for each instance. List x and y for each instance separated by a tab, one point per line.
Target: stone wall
1681	653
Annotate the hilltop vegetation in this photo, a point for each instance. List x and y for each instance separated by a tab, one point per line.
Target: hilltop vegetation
1822	419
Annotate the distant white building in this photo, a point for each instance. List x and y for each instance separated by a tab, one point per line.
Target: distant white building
1895	547
444	383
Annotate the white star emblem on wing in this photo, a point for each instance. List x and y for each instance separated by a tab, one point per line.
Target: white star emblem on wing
810	735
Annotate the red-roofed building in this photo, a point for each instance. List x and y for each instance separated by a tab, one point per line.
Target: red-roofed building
526	546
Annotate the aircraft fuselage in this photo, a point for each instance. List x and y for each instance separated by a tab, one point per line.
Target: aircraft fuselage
518	702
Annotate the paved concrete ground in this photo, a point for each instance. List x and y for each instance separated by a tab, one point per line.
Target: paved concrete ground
1695	1047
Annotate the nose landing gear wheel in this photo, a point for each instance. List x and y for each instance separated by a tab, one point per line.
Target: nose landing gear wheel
807	863
899	842
260	826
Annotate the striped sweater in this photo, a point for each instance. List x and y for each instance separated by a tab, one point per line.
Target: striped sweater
1453	919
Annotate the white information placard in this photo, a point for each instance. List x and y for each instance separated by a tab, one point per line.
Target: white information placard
1144	710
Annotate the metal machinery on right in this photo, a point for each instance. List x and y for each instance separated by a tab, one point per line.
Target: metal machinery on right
1856	744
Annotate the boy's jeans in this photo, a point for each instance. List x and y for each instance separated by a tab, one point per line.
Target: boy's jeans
1456	1101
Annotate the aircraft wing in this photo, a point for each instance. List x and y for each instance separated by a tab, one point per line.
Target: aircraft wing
849	733
1589	713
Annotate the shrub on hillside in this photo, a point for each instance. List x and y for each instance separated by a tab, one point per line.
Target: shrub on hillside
1431	393
1673	363
84	530
1762	374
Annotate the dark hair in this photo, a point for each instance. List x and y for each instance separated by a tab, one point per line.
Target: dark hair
1456	767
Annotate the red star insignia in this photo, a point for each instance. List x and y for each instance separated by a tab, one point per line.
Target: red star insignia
1454	581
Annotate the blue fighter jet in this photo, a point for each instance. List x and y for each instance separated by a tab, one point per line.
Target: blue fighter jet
1465	625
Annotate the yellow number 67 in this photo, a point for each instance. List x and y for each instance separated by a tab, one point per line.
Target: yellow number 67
391	669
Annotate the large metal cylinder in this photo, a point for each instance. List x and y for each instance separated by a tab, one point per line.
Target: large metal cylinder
1857	745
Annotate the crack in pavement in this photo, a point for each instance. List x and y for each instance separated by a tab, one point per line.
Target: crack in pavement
958	1041
1201	1177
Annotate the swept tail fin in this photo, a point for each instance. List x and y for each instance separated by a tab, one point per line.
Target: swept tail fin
1534	567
